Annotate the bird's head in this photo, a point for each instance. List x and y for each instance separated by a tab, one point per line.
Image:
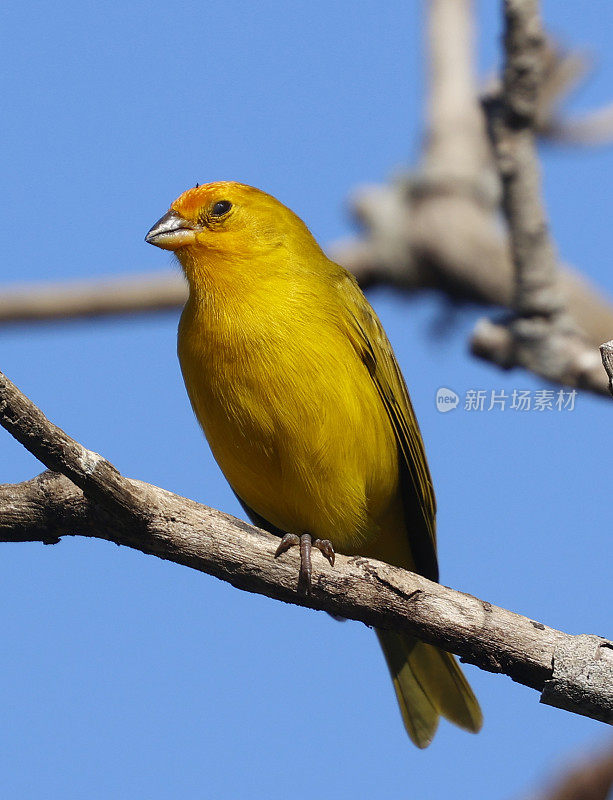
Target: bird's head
227	220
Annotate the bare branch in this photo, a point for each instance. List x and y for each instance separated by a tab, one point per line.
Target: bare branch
89	471
562	358
512	124
606	352
593	128
563	71
436	229
179	530
138	294
456	147
573	672
542	337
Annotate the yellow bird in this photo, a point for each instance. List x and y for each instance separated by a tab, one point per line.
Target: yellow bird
297	389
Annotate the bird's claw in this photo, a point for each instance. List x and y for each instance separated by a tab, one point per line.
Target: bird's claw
325	548
289	540
305	542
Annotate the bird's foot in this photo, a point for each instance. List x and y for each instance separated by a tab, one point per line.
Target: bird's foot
305	542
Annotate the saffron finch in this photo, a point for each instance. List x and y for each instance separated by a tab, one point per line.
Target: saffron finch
299	394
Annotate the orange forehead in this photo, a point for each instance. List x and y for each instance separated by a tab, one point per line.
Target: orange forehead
191	202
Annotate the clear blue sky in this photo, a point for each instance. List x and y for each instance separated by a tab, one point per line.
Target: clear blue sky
125	676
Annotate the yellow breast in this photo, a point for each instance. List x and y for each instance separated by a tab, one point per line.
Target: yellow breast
292	417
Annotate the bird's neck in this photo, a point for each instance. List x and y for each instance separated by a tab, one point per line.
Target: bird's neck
235	308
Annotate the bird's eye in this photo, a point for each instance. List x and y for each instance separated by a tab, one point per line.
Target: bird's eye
221	207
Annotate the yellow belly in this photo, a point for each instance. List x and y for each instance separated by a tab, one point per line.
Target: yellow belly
299	432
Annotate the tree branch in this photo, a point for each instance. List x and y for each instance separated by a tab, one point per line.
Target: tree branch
91	498
606	353
541	337
437	229
138	294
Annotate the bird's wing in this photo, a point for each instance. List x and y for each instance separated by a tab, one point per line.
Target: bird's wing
373	347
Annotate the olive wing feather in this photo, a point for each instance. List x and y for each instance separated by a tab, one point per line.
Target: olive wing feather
373	347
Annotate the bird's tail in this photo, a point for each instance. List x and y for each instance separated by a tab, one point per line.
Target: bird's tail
429	683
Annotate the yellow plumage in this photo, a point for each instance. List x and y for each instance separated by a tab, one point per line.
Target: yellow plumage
297	389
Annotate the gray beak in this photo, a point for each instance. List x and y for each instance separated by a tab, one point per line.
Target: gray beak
171	232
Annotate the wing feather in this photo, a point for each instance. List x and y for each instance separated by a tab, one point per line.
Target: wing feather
373	347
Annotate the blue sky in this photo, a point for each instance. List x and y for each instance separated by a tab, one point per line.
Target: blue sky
125	676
